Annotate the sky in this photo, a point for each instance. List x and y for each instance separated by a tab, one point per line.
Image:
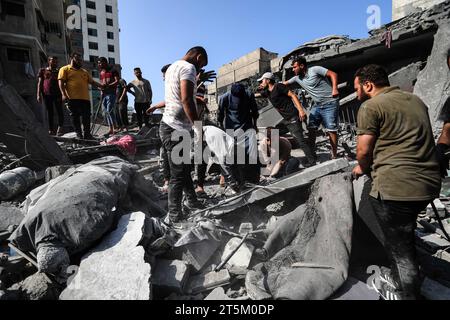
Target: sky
158	32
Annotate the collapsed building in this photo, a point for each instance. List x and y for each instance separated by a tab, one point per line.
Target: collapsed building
316	226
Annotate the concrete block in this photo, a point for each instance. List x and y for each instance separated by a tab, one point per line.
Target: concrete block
433	290
170	276
242	258
440	208
432	241
218	294
198	254
209	281
294	181
115	269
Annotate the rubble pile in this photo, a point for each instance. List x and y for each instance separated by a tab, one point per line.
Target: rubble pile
83	220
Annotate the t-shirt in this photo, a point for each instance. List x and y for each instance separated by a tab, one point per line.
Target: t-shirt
106	77
142	91
49	78
316	84
174	115
282	102
77	82
238	108
120	88
405	165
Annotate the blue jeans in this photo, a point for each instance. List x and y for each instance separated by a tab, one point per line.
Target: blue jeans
109	103
326	114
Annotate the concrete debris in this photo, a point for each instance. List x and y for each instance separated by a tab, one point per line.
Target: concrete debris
198	254
218	295
433	290
433	241
55	172
24	136
15	182
209	281
440	208
116	268
38	287
170	277
241	259
10	216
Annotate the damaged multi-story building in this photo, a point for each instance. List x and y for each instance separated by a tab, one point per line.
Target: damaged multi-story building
413	49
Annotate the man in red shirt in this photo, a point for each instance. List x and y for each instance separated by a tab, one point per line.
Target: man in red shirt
109	78
49	93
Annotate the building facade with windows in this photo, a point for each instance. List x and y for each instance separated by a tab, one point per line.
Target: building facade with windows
100	29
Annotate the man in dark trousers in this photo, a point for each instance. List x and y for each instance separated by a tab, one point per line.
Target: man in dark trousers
74	84
396	146
49	93
238	112
179	117
141	89
290	108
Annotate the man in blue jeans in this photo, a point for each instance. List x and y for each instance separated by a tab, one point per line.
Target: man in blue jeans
322	85
109	78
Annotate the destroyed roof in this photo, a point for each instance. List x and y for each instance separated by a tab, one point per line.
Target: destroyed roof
334	46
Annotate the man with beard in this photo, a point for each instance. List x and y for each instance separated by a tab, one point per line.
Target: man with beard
396	146
74	84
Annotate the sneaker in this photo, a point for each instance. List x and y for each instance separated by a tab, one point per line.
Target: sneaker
386	287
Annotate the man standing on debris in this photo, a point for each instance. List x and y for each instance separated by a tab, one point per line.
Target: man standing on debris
109	79
322	85
48	90
141	89
74	84
179	116
396	146
290	108
123	104
238	111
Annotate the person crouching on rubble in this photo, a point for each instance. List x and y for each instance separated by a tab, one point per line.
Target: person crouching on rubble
74	84
396	146
285	164
179	116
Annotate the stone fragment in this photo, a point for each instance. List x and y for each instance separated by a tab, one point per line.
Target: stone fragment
218	294
441	209
116	269
198	254
242	258
170	276
433	290
209	281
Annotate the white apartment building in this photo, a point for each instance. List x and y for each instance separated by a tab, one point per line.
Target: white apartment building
100	26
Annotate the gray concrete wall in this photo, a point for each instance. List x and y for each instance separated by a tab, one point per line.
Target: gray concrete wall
402	8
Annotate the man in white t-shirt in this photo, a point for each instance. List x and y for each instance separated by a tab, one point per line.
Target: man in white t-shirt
180	115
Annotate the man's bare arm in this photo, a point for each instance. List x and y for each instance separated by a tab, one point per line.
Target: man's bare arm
333	76
187	99
158	106
366	146
298	105
62	88
445	137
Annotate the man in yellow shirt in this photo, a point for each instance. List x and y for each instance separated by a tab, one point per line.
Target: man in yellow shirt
74	84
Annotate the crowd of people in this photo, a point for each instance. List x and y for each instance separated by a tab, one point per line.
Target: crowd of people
396	146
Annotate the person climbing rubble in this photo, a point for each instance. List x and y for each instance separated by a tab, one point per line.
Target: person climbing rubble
404	167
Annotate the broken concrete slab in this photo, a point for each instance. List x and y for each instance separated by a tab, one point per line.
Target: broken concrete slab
294	181
116	269
169	277
432	242
23	135
354	289
432	83
242	258
10	215
37	288
433	290
218	294
209	281
15	182
198	254
406	77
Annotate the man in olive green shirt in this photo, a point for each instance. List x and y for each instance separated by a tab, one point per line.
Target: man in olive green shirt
396	146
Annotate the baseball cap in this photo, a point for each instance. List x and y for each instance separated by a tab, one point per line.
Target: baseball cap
267	75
